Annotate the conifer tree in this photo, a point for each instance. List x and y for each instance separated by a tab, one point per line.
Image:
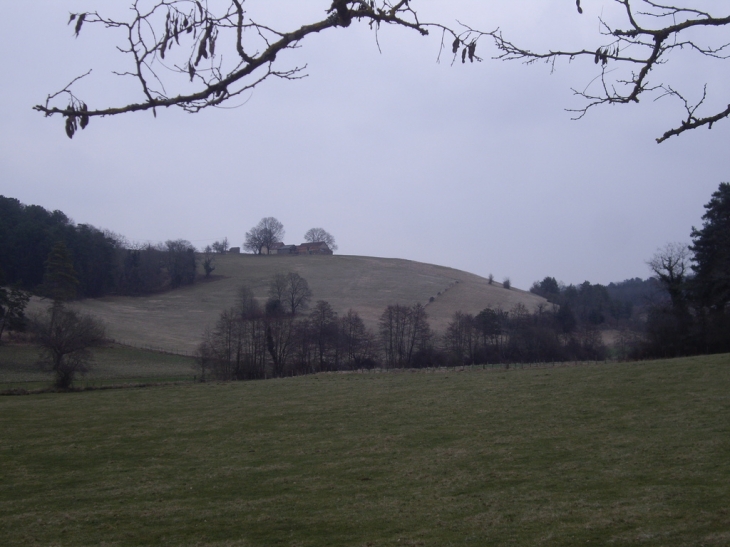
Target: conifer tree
60	282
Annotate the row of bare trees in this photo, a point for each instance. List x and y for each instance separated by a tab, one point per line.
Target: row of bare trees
249	341
286	337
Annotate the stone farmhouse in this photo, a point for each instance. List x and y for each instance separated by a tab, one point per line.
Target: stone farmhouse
314	248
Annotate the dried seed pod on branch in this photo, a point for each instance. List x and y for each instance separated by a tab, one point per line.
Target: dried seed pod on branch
195	54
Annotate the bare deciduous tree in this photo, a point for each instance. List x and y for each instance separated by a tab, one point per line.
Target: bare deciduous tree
671	264
404	331
315	235
629	57
267	232
358	343
324	331
461	337
220	247
65	336
208	260
291	291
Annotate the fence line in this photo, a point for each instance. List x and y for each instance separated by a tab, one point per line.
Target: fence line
485	366
156	349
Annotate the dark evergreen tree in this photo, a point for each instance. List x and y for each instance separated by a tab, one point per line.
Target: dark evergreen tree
711	247
547	288
60	282
711	266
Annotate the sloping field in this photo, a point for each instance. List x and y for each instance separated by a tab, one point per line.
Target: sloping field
176	319
613	455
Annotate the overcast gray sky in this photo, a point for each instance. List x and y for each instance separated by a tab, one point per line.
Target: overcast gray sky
476	167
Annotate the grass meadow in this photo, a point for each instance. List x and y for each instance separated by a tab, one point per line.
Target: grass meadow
112	365
608	454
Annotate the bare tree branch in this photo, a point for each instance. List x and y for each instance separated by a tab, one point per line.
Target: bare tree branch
187	54
174	44
640	48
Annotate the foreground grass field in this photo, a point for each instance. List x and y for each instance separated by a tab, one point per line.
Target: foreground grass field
614	454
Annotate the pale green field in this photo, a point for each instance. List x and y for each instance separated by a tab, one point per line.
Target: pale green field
175	320
112	365
614	455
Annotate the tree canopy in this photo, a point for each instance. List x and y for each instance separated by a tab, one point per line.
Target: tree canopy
65	337
262	236
315	235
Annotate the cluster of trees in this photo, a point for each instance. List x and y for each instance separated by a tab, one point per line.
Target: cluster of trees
682	310
151	268
694	317
102	262
519	336
28	233
64	336
267	232
250	341
597	305
285	337
261	238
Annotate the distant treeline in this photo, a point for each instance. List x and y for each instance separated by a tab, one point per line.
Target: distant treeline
103	262
609	305
683	310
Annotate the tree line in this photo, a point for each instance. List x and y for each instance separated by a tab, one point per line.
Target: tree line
288	336
684	309
600	306
103	262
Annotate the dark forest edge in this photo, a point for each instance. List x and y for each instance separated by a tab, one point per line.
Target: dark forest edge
103	262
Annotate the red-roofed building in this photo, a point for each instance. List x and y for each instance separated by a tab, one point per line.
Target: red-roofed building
314	248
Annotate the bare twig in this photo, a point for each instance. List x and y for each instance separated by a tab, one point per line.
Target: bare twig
173	44
641	48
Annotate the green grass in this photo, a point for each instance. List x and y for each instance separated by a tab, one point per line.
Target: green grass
112	365
614	454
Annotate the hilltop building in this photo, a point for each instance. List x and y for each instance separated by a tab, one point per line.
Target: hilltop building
313	248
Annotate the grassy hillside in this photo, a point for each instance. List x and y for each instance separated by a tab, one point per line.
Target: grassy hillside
176	319
621	454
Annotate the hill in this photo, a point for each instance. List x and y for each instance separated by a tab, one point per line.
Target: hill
176	319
